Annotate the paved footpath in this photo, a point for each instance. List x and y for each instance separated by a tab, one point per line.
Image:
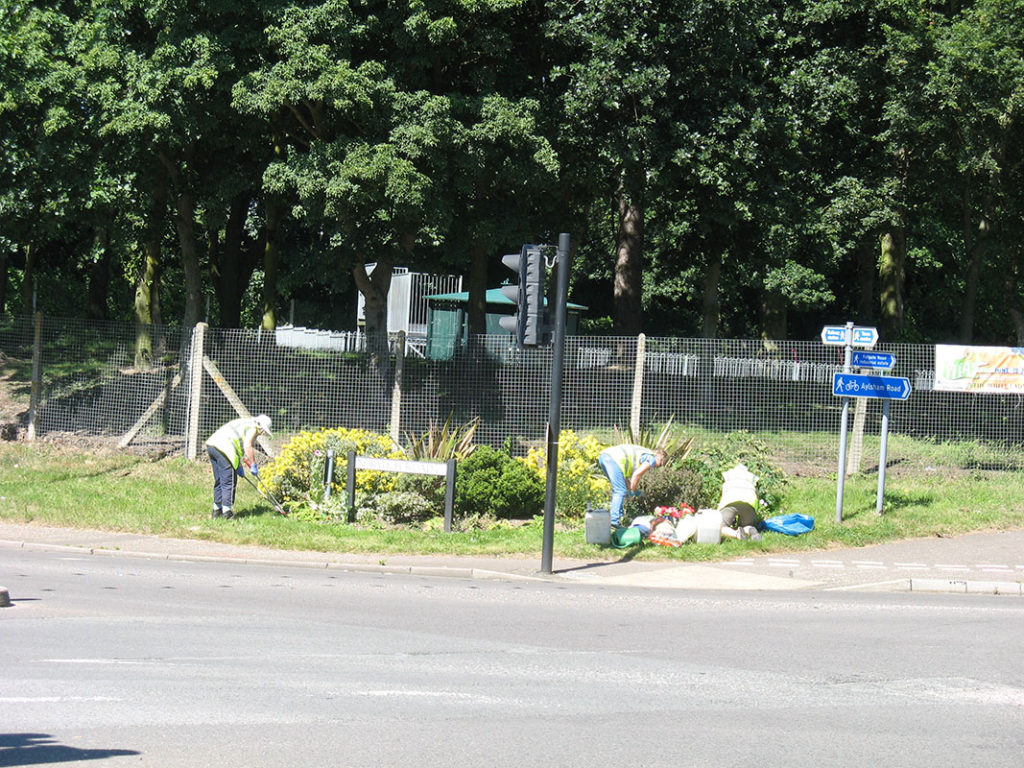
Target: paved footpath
982	563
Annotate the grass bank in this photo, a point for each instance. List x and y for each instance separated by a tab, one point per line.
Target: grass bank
53	485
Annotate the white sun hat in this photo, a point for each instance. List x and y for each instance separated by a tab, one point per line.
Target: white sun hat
263	422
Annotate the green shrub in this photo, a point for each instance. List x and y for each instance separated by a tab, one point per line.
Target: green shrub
296	476
710	461
491	482
672	486
430	487
580	480
395	508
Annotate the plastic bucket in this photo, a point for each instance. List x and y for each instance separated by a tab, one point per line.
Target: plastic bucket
686	527
598	526
709	526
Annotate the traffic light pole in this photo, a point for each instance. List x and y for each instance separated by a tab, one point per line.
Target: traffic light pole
555	400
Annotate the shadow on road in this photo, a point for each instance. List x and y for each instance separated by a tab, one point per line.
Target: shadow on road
41	748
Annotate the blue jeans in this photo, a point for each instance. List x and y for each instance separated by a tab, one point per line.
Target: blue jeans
619	488
223	479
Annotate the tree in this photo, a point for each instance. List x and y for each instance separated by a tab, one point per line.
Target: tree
665	118
401	133
977	83
859	84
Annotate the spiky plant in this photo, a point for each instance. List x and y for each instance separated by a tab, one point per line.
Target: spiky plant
677	445
444	442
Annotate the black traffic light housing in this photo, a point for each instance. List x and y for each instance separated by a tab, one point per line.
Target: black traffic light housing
528	324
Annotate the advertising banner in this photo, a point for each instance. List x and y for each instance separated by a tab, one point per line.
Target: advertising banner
962	368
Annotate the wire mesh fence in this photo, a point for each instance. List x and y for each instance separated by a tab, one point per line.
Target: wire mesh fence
91	383
85	376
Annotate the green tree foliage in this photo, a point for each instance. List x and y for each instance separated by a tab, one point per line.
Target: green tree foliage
402	126
736	168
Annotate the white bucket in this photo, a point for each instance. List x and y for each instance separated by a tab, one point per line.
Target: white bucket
709	526
686	528
598	526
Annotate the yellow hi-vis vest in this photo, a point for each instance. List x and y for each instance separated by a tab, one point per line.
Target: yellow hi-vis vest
230	439
739	485
628	457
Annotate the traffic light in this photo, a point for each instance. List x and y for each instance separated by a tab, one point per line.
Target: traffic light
527	325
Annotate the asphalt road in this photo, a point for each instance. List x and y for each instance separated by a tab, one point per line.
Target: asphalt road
121	660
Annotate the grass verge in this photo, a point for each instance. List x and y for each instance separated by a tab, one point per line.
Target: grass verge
54	485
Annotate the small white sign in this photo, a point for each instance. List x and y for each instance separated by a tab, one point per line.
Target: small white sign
835	335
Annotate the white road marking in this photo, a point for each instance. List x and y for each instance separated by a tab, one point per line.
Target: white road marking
52	699
123	662
427	694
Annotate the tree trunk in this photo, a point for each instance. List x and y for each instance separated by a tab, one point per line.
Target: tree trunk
227	268
275	212
1017	317
147	284
189	260
975	247
1011	290
629	251
185	225
99	278
3	280
28	288
145	295
271	264
891	275
477	310
374	288
710	306
773	316
866	266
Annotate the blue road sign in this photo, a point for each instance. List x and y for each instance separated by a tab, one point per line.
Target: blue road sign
865	337
859	385
835	335
881	360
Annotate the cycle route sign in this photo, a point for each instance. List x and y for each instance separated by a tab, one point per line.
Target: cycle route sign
861	385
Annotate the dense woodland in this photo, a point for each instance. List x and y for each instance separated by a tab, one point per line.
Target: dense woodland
726	168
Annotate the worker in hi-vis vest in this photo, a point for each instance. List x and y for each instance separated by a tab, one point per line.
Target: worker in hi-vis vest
232	448
624	465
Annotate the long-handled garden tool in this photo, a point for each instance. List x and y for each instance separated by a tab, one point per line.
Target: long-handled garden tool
261	489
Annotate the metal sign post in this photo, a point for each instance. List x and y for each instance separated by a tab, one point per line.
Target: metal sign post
848	385
845	420
882	452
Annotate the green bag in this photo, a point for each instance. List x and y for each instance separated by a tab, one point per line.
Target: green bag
626	537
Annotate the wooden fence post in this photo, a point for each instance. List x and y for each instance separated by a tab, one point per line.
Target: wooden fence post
638	385
37	376
854	458
396	392
195	392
